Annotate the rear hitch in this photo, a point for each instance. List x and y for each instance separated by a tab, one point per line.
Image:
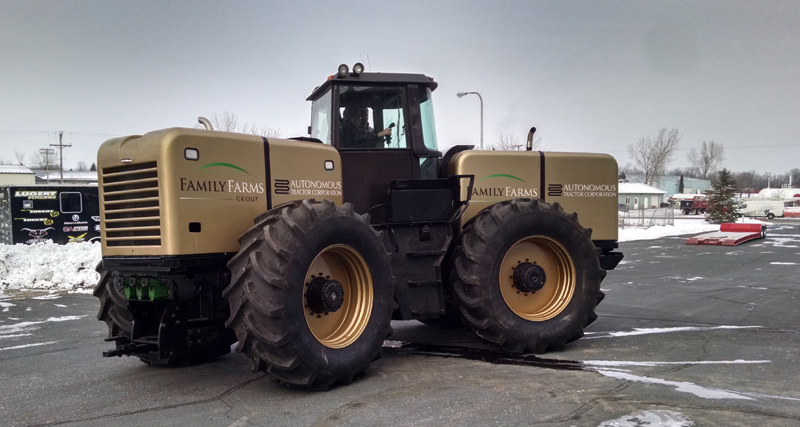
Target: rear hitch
127	350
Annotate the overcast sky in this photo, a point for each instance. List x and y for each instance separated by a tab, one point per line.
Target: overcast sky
591	75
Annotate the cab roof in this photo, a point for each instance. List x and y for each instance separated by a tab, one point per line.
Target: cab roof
374	79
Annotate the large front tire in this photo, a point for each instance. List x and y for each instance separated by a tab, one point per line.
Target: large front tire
311	294
113	304
527	276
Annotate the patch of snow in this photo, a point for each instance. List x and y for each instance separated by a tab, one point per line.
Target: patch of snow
647	331
681	227
694	278
26	326
2	337
751	287
51	296
28	345
49	266
655	418
60	305
783	263
684	387
619	363
393	344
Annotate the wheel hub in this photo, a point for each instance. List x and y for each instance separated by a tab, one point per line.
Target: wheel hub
529	277
324	295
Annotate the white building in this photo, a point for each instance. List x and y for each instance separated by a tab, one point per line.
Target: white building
16	175
640	196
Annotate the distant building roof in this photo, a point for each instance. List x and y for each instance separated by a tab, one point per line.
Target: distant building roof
15	169
87	176
638	188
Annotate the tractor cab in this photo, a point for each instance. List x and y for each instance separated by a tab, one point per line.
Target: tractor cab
383	126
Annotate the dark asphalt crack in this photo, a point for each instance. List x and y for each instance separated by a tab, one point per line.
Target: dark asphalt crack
220	396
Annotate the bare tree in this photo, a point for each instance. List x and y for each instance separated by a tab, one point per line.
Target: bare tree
82	166
629	169
708	160
652	154
20	156
39	160
265	131
509	141
229	122
746	182
795	177
226	122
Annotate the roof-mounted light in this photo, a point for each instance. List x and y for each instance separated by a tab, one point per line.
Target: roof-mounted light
343	70
358	68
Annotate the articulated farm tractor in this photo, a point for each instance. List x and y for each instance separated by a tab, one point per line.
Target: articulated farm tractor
301	251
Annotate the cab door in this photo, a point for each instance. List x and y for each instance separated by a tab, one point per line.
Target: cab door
370	164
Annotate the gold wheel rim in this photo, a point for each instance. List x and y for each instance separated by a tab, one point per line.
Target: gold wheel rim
557	264
342	327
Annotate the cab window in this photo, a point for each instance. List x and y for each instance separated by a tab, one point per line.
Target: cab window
372	118
321	118
428	124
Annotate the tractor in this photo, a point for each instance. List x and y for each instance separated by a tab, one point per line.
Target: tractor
301	251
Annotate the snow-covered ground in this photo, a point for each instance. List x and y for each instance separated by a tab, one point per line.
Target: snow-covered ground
51	267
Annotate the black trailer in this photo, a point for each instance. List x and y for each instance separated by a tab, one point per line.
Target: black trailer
61	213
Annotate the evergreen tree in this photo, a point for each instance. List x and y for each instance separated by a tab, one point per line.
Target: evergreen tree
721	207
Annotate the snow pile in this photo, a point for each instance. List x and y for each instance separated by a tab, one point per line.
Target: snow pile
682	226
48	266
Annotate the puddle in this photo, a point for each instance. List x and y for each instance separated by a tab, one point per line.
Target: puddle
606	368
488	356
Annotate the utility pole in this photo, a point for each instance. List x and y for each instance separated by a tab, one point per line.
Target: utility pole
47	152
61	153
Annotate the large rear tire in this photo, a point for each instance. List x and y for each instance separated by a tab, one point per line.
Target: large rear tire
311	294
113	304
527	276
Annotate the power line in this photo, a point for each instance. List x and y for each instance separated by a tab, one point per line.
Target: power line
24	140
53	131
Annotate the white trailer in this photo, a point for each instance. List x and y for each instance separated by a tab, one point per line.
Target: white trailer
760	208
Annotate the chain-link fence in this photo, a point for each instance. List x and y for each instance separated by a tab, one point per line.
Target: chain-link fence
646	218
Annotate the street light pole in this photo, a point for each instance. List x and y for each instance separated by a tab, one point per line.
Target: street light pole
460	95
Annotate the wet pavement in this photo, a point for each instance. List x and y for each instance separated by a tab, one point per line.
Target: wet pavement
687	335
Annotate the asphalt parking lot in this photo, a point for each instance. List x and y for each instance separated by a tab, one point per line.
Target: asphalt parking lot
687	335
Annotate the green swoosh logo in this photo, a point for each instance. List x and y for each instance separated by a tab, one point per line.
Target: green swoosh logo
221	164
502	175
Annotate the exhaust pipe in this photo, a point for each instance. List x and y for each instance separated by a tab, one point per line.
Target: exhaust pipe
530	139
204	121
